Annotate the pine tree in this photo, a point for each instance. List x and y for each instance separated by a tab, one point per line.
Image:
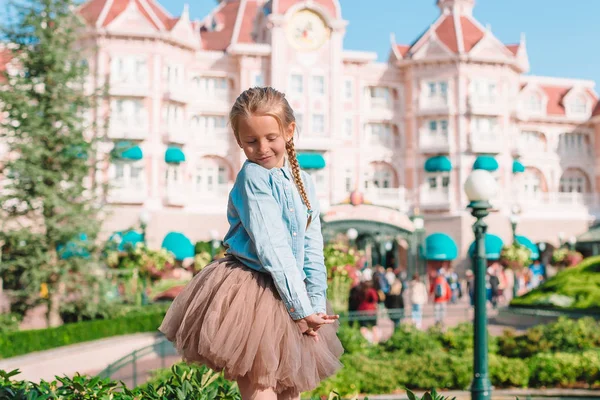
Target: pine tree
48	209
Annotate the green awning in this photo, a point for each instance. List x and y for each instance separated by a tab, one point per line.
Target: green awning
125	240
440	247
524	241
174	155
74	248
438	164
591	236
311	161
127	151
487	163
518	167
178	244
493	247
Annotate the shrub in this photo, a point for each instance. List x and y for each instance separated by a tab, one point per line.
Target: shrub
137	320
409	340
508	372
9	322
564	369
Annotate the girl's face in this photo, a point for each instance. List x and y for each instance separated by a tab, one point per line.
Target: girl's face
262	141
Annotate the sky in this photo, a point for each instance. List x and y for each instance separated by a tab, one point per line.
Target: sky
562	40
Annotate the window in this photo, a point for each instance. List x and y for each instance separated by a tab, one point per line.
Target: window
348	180
439	181
532	140
348	89
129	69
532	183
438	127
484	125
483	90
128	112
128	175
318	83
380	97
320	178
349	127
578	105
299	121
212	87
210	178
380	134
318	123
173	175
174	74
297	84
573	142
209	123
533	103
437	89
259	79
173	115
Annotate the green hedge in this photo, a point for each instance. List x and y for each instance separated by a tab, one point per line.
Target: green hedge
575	288
22	342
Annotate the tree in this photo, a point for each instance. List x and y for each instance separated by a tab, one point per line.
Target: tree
49	209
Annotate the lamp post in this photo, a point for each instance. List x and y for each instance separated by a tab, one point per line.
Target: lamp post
480	187
214	243
145	218
572	242
419	224
352	234
514	221
561	239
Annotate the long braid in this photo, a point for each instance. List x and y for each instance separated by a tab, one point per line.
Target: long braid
291	151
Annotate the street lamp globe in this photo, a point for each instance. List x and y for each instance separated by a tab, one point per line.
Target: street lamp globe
572	240
388	246
145	217
352	234
418	222
481	186
514	219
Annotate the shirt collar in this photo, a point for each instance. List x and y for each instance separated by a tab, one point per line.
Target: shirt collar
287	171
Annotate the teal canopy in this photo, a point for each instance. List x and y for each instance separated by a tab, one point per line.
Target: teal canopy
518	167
493	247
178	244
126	240
174	155
311	161
487	163
438	164
524	241
74	248
127	151
440	247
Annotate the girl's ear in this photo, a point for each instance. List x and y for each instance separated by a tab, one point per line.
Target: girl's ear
289	133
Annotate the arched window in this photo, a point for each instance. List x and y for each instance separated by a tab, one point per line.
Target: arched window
380	175
534	102
533	182
574	143
532	140
574	181
578	105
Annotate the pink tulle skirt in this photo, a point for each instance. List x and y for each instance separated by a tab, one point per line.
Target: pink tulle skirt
231	318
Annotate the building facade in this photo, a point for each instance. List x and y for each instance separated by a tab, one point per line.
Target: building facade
404	133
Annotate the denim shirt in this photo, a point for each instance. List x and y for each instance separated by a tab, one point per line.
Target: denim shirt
268	233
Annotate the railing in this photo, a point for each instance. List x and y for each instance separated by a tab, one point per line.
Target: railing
428	141
389	197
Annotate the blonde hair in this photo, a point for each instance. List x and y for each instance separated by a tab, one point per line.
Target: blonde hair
271	102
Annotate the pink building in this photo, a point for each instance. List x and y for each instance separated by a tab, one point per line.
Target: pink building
406	133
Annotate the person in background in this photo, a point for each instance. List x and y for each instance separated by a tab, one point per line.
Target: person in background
440	290
368	307
418	298
394	302
494	283
380	283
390	276
452	278
537	271
471	287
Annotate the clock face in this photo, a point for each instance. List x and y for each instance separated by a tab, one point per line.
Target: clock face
307	31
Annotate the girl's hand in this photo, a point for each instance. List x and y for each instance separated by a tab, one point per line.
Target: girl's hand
310	324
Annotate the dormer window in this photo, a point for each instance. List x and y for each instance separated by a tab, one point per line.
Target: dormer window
578	105
533	102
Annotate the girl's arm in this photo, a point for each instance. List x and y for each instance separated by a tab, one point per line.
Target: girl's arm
314	262
260	215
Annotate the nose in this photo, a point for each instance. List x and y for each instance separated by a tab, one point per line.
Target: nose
263	147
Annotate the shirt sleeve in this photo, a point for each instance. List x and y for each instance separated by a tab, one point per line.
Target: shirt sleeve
314	262
260	215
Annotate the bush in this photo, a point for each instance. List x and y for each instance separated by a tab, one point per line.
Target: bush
565	369
508	372
9	322
409	340
565	335
135	321
577	287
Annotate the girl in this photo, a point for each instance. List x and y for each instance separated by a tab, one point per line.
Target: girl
260	313
418	297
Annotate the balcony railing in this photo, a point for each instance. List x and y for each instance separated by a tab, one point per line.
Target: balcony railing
177	92
388	197
435	198
129	87
177	195
429	142
434	104
124	127
486	141
176	133
127	192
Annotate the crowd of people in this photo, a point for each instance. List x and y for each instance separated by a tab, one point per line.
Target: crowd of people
379	288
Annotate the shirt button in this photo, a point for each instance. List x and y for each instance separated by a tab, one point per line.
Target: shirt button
294	233
291	210
292	310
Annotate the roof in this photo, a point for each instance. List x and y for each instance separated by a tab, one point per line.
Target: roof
460	33
555	95
332	6
225	15
103	12
596	111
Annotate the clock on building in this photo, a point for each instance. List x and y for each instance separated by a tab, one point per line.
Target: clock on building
306	30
